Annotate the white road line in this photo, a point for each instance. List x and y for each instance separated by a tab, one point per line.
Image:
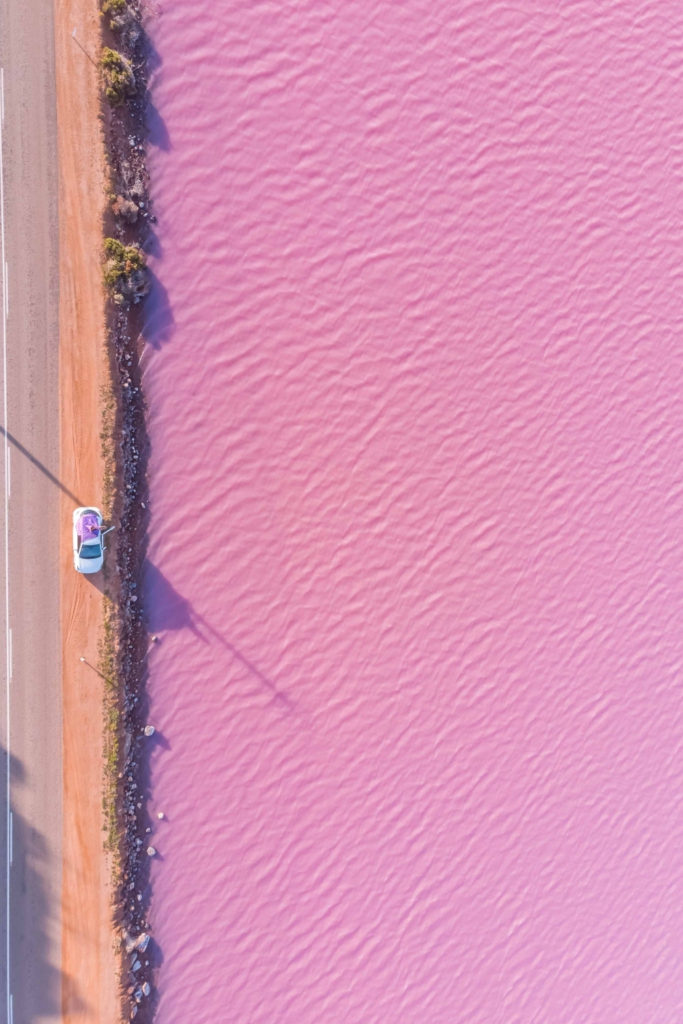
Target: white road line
10	659
11	837
2	94
6	532
6	288
9	471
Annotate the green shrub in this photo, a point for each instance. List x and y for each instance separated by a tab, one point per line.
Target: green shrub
117	76
121	18
125	271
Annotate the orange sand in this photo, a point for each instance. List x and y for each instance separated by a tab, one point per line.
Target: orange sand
88	941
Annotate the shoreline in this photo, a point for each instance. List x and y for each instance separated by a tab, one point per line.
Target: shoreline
127	218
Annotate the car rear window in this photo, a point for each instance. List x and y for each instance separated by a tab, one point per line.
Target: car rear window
90	551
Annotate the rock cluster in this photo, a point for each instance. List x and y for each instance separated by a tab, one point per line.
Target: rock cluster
130	219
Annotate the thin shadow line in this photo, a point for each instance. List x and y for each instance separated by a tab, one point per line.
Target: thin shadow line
279	696
86	662
39	465
180	615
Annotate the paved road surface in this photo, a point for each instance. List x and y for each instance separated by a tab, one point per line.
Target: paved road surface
30	693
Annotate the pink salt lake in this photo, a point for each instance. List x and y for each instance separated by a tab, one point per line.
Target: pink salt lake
415	385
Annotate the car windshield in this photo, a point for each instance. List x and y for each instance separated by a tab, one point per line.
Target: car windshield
90	551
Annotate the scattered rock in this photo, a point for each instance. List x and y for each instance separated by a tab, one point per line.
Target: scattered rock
129	217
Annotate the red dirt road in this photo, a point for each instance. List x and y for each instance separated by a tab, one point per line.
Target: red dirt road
89	991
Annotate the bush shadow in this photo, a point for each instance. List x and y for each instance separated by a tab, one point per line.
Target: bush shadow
153	59
159	325
152	245
157	132
169	610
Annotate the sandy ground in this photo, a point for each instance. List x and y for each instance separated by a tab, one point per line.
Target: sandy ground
87	933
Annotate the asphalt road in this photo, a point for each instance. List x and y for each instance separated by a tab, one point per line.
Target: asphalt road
30	531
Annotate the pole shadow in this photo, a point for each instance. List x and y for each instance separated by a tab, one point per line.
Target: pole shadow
39	465
169	610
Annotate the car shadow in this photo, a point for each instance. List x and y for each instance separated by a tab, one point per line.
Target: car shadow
96	580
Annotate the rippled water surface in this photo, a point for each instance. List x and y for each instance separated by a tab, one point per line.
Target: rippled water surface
414	373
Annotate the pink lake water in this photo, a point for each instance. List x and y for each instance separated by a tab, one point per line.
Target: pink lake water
415	379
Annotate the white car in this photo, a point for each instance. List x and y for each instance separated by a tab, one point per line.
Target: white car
88	540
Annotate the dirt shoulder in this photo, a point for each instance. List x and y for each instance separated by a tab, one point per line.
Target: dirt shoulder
88	941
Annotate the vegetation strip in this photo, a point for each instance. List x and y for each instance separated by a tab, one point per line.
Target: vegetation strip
126	230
